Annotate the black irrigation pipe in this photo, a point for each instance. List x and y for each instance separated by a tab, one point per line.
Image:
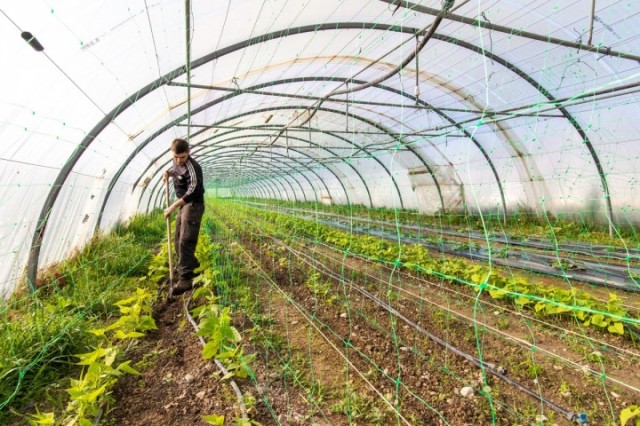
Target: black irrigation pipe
632	329
595	250
588	272
611	276
220	366
580	418
304	313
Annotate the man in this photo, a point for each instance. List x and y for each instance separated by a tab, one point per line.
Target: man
189	188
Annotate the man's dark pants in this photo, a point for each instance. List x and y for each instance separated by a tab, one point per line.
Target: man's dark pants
186	239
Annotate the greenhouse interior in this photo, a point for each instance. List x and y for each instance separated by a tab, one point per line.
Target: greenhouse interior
320	212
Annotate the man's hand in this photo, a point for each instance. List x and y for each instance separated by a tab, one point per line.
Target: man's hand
173	207
165	176
168	211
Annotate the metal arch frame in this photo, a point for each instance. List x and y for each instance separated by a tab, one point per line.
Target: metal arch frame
156	186
355	170
256	188
293	80
259	179
203	107
298	151
253	188
245	191
278	155
218	148
379	86
200	144
361	148
526	77
156	193
261	135
601	50
256	160
265	156
139	148
248	189
264	181
226	163
408	96
38	236
43	218
289	158
202	148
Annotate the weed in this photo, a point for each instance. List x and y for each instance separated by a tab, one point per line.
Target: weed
503	323
358	408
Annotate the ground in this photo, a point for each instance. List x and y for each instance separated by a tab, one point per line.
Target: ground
330	351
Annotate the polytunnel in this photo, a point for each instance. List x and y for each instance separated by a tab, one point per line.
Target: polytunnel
497	140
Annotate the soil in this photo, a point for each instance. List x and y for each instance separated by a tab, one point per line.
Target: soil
177	386
336	357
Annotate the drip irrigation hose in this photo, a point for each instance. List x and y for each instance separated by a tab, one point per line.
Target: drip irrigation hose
311	323
570	415
502	308
606	275
220	366
574	247
579	418
507	336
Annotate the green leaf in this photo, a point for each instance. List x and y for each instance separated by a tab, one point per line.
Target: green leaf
92	396
84	422
126	368
110	355
629	413
130	335
600	320
558	309
616	328
214	420
497	294
210	350
41	419
227	376
90	357
226	354
195	312
147	323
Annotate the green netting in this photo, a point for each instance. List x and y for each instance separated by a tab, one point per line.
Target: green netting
419	213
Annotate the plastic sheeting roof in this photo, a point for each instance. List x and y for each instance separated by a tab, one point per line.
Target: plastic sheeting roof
519	103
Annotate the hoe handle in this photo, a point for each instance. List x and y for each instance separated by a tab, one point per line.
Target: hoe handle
169	238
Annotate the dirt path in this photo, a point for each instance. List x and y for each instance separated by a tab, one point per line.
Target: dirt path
177	385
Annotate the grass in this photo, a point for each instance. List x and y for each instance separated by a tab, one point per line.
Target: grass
41	332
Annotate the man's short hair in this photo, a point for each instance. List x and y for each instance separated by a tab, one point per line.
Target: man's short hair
179	146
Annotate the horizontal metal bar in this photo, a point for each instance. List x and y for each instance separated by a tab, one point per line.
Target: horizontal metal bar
306	130
601	50
349	101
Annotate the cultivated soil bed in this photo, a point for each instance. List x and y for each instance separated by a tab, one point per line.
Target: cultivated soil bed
330	352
